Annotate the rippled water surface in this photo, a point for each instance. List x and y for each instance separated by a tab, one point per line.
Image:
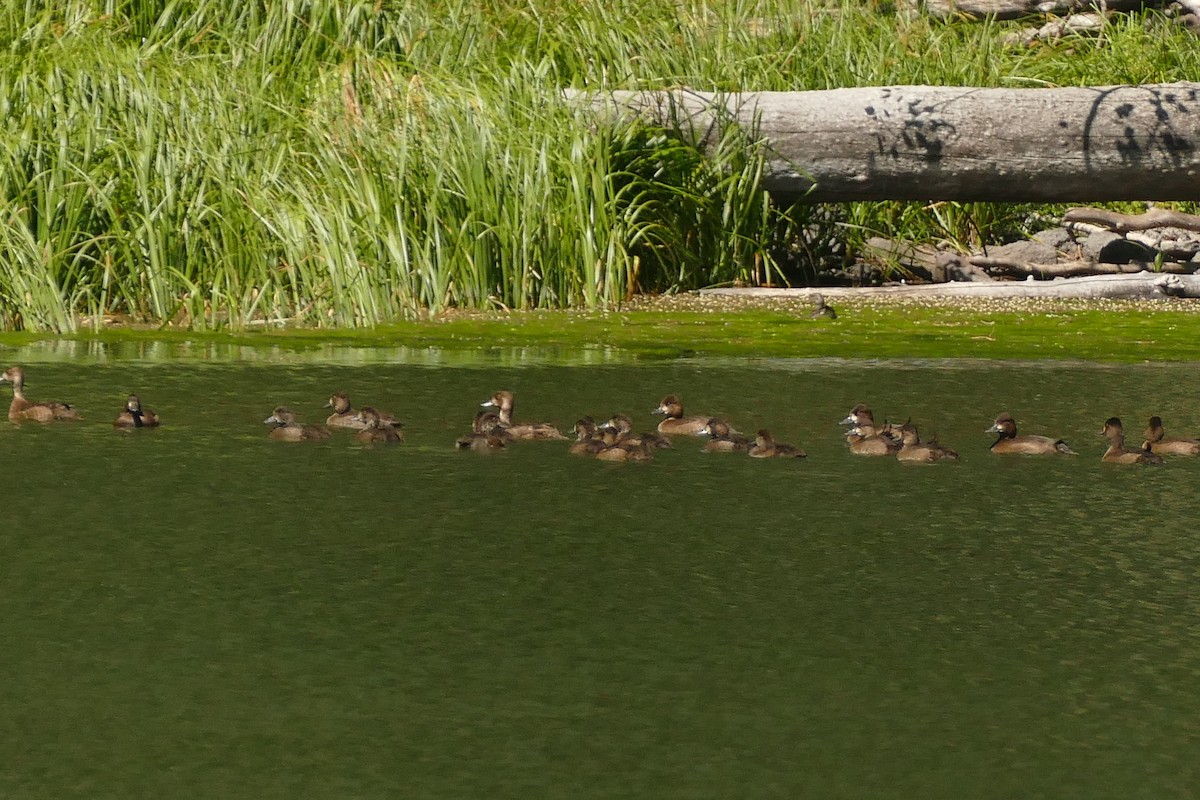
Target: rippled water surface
198	611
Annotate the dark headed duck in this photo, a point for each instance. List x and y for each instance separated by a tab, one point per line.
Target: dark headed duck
676	424
504	402
1007	440
134	416
859	415
1164	446
1118	453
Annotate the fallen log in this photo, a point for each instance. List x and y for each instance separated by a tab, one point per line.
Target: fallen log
1139	286
1013	9
1124	223
1071	269
951	143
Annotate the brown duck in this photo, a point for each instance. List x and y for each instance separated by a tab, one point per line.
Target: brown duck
1118	453
286	429
1164	446
1008	441
134	416
21	410
504	402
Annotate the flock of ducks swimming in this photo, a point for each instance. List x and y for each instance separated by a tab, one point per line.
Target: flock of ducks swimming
615	440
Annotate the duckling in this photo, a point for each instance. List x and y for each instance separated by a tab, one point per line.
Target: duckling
1007	440
676	423
486	434
588	438
623	425
21	410
617	450
1169	447
134	416
822	310
376	429
288	430
766	447
344	416
504	401
1118	453
912	449
723	439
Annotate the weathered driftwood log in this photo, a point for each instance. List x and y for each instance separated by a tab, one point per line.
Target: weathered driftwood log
1012	9
1074	25
954	143
1124	223
1070	269
1141	286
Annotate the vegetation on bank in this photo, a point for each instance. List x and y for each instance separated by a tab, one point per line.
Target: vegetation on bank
350	164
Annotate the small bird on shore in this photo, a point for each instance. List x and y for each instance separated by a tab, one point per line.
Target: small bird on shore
823	309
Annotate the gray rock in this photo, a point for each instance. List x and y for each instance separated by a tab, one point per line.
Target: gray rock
1024	252
1111	248
1058	238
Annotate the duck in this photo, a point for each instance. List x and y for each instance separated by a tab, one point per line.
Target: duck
486	434
504	401
1118	453
912	449
589	440
676	423
615	449
1169	447
867	440
723	440
344	416
376	429
134	416
823	310
766	447
286	429
864	438
21	410
861	414
623	425
1007	440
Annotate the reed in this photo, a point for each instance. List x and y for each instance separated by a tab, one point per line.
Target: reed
311	163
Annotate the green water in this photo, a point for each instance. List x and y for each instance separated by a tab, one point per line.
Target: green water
198	611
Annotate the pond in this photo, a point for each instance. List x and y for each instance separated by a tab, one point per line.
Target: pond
200	611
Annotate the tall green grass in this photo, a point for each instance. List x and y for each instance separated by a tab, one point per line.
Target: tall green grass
319	163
